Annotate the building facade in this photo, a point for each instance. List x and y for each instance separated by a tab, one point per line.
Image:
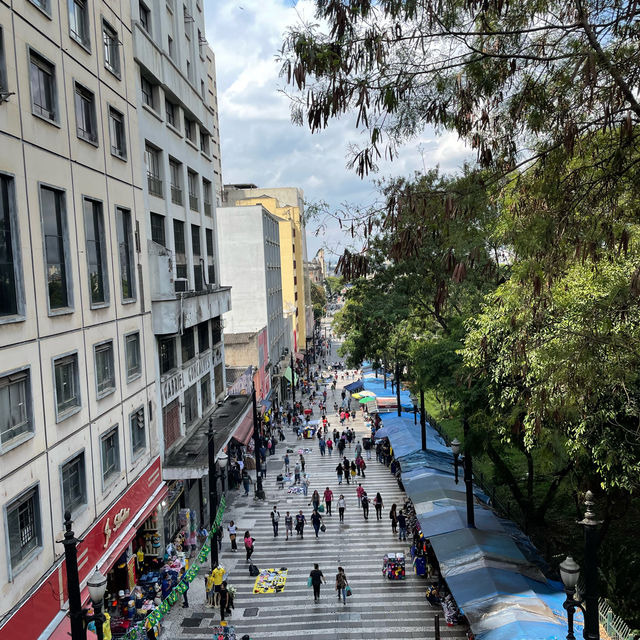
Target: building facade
180	143
251	263
78	398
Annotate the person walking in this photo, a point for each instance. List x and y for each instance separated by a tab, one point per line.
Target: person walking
185	597
305	484
402	526
362	465
341	585
246	482
288	525
394	518
377	503
317	578
339	473
316	521
302	462
328	498
233	530
358	449
354	468
224	600
248	544
275	519
287	463
300	522
315	500
341	507
296	474
364	502
359	491
347	470
330	446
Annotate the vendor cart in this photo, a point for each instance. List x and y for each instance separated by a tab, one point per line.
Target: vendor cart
393	566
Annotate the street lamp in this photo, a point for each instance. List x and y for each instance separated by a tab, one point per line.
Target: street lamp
570	571
423	422
468	477
293	386
97	586
414	400
455	449
256	440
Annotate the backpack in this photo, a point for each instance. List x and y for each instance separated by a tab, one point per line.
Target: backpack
253	570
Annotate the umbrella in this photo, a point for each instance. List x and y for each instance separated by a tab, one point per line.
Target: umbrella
365	393
364	400
357	396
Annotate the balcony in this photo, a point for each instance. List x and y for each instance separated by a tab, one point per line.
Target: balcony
176	195
207	209
155	185
193	202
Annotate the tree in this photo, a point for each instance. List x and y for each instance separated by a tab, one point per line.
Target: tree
318	300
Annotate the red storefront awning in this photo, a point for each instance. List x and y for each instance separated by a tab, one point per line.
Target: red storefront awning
299	356
244	431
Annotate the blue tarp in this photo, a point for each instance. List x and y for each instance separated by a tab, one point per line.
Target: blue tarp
352	387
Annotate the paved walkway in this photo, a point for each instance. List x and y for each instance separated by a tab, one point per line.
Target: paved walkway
379	608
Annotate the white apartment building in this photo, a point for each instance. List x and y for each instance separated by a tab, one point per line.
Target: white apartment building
179	138
77	383
250	263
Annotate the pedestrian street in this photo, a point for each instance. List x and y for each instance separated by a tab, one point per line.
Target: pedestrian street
378	608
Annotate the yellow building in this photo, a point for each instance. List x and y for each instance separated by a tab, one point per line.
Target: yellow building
288	205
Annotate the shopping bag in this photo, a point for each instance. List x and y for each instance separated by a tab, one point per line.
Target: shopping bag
309	581
348	590
321	508
323	528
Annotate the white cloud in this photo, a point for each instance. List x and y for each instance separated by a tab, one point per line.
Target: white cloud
259	142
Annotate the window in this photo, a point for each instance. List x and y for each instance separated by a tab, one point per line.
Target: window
216	331
67	385
204	142
96	252
191	404
148	96
197	265
3	68
111	44
132	355
203	336
105	374
189	129
42	4
79	21
170	111
193	190
170	47
125	251
188	345
54	224
15	406
109	446
43	87
211	268
74	484
85	114
138	435
189	74
180	249
206	193
205	391
187	22
23	527
157	229
175	174
203	96
152	160
117	134
145	17
167	354
10	273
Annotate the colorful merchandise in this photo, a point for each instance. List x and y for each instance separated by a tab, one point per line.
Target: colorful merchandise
271	580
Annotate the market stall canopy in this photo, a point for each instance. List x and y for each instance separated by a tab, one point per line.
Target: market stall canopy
358	385
287	375
445	516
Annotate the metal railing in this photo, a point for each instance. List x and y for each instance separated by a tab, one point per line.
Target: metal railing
193	202
614	626
176	195
155	185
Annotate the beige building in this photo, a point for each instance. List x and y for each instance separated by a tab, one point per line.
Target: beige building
77	384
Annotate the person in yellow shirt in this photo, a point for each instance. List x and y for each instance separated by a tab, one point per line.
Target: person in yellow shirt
215	579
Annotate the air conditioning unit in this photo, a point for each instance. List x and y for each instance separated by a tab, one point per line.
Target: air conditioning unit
181	285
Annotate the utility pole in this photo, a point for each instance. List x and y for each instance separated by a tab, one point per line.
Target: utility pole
213	493
468	476
423	421
256	440
293	380
397	376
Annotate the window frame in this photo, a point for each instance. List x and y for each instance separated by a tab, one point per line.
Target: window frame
153	216
117	69
82	93
115	151
29	432
174	358
201	325
153	160
44	6
16	251
38	60
138	374
189	347
69	308
108	479
151	102
85	42
194	418
146	22
138	449
104	345
129	245
33	491
170	107
62	415
4	81
79	455
102	244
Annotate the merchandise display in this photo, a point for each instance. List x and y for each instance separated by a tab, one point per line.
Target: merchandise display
393	566
271	580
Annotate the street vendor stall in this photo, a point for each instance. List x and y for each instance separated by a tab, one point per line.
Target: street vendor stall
393	566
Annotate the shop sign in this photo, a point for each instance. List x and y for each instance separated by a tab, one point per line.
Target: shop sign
175	385
118	519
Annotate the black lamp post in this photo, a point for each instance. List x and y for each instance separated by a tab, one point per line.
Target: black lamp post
97	584
455	449
414	400
293	379
213	491
570	571
256	439
423	421
397	376
468	477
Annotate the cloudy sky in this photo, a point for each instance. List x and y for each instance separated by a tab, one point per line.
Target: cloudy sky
259	142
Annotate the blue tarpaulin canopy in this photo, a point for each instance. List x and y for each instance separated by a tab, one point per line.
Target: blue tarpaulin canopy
353	387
